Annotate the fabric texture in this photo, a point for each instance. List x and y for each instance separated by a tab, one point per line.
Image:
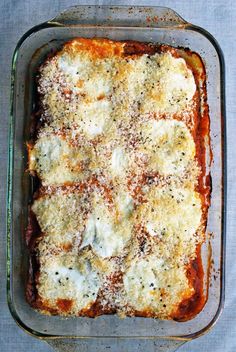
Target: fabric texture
216	16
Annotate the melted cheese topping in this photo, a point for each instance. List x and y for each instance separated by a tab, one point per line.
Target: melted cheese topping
152	285
90	91
168	144
56	160
106	230
71	279
124	203
173	217
114	160
93	118
61	217
119	161
120	216
170	87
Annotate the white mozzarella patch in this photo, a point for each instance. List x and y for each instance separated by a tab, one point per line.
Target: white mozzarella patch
174	216
168	144
124	203
103	237
170	85
74	68
151	228
63	273
94	118
97	87
60	217
119	161
150	284
57	161
178	82
106	232
64	277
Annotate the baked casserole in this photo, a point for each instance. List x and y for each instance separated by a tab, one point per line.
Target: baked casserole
118	148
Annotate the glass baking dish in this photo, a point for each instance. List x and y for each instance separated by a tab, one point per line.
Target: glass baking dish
149	24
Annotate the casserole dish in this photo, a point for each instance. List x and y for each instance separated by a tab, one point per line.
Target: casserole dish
119	23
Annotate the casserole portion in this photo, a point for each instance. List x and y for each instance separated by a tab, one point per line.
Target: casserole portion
118	149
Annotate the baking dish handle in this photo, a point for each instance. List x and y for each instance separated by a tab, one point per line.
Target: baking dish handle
114	345
113	16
